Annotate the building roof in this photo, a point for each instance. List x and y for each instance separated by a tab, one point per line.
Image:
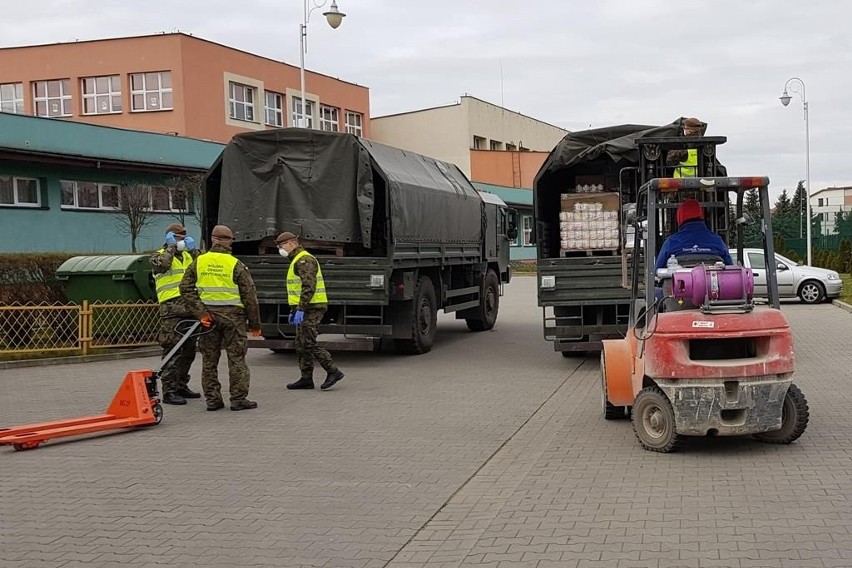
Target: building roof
843	188
466	96
511	195
69	140
185	35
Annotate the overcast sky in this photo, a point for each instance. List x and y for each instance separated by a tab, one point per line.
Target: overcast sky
576	64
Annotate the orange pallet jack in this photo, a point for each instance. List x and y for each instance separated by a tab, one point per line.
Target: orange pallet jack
136	403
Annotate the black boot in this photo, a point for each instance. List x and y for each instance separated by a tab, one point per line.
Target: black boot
303	383
186	392
173	398
332	379
244	404
213	405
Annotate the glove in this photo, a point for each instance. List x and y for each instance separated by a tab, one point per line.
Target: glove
190	243
170	238
296	317
206	320
256	332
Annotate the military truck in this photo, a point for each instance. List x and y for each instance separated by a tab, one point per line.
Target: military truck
398	235
584	196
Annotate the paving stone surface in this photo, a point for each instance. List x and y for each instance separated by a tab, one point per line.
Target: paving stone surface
489	451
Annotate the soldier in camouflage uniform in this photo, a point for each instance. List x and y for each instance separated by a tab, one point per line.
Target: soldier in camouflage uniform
168	265
308	303
219	290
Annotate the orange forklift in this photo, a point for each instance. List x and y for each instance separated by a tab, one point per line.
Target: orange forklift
700	358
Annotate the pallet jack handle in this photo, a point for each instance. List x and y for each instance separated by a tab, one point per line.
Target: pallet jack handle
190	332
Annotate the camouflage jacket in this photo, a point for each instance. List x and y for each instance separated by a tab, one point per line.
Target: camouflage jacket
306	269
245	284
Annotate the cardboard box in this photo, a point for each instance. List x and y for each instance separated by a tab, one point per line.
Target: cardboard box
607	201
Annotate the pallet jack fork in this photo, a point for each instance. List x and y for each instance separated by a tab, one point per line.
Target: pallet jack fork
136	403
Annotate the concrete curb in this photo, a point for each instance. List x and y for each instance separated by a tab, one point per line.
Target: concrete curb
134	354
842	305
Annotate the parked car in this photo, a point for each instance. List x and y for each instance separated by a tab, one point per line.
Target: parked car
810	284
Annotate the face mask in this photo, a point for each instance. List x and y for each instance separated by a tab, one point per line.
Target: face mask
283	253
181	246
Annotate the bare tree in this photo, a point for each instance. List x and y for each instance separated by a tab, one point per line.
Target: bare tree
187	192
134	210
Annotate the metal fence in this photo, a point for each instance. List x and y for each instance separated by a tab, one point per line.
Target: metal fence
36	328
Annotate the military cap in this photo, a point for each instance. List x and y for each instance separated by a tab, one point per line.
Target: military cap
284	237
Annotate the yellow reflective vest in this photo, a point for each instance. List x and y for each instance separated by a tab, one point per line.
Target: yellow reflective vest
215	284
167	282
688	167
294	283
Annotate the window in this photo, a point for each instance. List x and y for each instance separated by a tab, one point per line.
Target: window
274	109
12	98
757	260
241	99
89	195
306	120
527	224
496	145
329	120
151	91
101	95
52	98
354	123
21	192
478	143
820	203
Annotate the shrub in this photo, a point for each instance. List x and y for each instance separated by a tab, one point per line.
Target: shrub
31	277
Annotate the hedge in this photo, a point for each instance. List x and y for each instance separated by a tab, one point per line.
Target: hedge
31	277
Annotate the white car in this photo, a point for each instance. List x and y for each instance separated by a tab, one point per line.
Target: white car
810	284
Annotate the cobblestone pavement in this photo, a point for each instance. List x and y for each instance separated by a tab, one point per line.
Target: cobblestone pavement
488	451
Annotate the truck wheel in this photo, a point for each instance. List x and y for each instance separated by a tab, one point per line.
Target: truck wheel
424	320
489	304
794	419
811	292
654	421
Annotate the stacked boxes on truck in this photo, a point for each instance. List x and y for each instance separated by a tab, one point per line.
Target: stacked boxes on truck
589	222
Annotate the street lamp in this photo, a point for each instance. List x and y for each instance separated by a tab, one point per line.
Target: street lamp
334	17
794	83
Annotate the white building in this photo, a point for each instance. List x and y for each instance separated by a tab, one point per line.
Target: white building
451	132
826	202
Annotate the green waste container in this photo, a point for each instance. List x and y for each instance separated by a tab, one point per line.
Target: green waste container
116	278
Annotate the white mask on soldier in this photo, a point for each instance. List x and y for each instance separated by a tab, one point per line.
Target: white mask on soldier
283	253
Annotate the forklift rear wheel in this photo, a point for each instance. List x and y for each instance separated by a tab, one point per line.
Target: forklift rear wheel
610	411
654	421
24	446
794	419
157	411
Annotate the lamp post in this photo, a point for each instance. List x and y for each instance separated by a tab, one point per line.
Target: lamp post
794	83
334	17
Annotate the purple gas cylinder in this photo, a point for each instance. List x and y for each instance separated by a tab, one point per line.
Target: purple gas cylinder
713	283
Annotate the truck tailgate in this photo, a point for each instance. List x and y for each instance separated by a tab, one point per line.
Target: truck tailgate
582	281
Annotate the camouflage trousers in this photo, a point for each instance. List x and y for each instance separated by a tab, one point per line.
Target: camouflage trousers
228	333
175	376
307	349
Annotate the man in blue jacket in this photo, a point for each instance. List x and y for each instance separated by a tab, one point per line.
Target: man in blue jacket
693	236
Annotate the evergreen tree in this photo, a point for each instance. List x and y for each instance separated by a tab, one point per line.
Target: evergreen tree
843	223
784	220
798	206
751	206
